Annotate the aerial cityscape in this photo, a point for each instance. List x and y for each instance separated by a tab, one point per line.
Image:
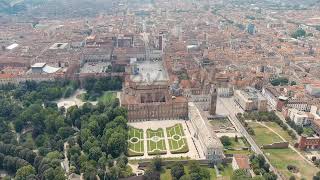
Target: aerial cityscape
160	89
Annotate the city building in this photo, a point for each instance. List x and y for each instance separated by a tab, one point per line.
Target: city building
313	89
309	143
250	99
299	117
43	68
147	95
299	104
272	95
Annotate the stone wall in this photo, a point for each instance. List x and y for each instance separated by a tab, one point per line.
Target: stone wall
277	145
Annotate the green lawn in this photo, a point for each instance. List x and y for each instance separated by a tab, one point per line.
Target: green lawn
227	172
247	152
156	142
237	145
263	135
107	98
281	158
274	126
166	174
135	142
177	141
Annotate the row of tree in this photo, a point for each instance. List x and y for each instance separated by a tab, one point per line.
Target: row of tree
269	117
261	167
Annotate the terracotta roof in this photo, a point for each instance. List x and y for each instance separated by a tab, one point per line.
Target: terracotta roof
185	84
7	76
242	161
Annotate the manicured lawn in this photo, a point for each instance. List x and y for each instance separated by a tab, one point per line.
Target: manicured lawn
156	142
176	139
263	135
135	142
274	126
281	158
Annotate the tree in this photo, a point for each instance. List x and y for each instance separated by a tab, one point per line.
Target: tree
225	140
240	174
258	178
151	175
24	172
177	170
54	174
299	33
95	153
185	177
292	178
156	164
293	83
236	138
65	132
270	176
54	155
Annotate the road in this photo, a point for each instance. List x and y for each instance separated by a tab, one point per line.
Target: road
232	108
146	41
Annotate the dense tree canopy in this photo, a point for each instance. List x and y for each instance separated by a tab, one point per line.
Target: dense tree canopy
33	131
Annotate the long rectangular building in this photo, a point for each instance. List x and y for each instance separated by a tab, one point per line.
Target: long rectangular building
209	141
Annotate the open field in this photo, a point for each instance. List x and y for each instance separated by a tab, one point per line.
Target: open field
156	142
135	142
263	135
281	158
274	126
177	141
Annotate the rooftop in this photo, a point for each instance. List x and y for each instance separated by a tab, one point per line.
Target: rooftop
38	65
150	72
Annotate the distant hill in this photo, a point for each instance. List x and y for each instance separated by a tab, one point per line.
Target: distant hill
12	6
17	6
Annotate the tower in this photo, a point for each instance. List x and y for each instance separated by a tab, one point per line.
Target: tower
213	101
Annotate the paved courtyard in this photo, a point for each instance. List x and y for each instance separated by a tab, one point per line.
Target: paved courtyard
184	132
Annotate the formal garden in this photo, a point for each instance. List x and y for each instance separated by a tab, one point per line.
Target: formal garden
156	142
135	142
176	139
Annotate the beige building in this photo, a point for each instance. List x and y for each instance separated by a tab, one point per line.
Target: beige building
250	99
209	141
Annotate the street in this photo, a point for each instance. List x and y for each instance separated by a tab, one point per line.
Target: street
233	109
